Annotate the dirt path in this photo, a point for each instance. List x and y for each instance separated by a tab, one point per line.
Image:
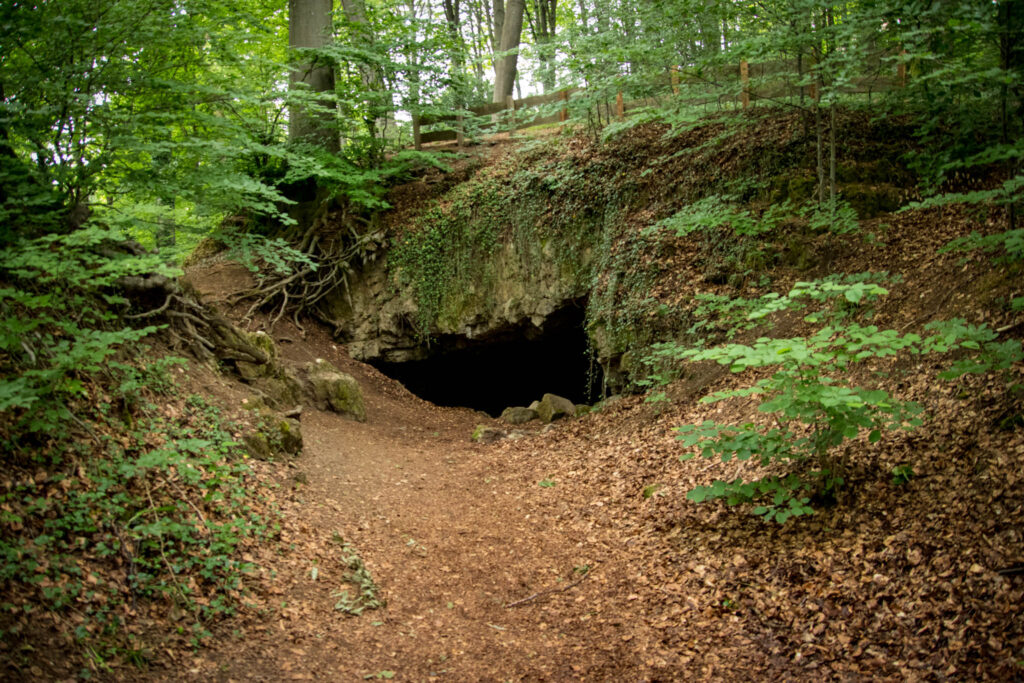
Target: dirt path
911	580
450	530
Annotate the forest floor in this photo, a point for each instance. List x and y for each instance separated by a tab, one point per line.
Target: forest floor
573	554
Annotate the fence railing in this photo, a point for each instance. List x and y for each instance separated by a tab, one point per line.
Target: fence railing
742	84
457	132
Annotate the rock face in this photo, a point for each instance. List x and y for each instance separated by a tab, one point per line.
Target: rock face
518	415
375	316
552	407
332	389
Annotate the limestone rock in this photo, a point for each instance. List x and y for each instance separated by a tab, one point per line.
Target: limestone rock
283	392
263	345
485	434
518	415
273	435
289	435
553	407
254	403
533	406
257	445
332	389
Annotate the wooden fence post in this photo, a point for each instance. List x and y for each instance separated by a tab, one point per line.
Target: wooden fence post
674	76
417	138
901	69
563	115
460	135
620	106
745	82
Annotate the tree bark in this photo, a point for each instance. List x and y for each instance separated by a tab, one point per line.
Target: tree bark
504	63
542	25
372	78
458	50
481	19
310	26
498	13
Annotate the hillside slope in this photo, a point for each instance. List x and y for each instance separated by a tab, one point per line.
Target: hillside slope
402	549
574	553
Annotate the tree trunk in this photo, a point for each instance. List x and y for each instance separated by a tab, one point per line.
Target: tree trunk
372	78
584	15
481	20
310	26
819	148
458	50
505	63
1010	21
832	159
542	27
498	25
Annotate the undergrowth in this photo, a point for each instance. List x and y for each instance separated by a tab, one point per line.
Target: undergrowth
132	532
813	409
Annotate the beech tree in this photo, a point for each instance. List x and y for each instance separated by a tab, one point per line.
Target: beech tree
542	20
310	26
506	55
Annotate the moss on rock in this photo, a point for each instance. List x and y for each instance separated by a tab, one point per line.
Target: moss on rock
332	389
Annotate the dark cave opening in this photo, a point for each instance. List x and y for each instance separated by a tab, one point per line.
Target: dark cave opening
513	368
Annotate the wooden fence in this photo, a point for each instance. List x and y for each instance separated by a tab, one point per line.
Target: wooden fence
768	81
493	108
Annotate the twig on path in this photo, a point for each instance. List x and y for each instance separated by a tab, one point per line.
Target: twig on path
550	591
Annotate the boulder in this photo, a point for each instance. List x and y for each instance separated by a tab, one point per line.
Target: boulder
273	435
279	386
553	407
283	392
263	345
485	434
289	436
518	415
332	389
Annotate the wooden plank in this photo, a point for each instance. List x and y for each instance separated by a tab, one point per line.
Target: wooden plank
489	108
540	121
438	136
538	100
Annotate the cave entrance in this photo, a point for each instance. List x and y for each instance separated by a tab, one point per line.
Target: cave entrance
512	368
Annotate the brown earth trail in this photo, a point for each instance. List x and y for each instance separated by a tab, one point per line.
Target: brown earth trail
451	531
606	572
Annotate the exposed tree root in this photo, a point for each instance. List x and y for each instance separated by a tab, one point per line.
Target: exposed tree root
332	247
204	332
